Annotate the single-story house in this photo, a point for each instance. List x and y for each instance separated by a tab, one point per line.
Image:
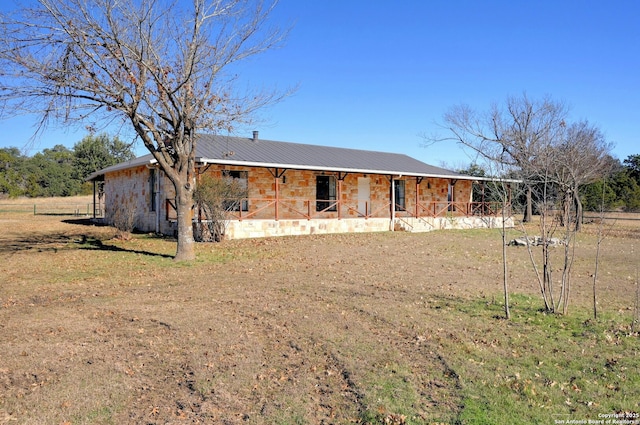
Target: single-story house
296	189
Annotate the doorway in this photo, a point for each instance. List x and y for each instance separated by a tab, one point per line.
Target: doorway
364	196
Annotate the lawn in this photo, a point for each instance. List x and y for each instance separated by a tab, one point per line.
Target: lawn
386	328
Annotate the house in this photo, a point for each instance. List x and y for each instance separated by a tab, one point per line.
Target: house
296	189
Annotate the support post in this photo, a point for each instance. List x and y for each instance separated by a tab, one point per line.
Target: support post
277	187
339	199
393	205
94	199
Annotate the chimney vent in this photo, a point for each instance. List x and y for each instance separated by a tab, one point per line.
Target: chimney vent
255	135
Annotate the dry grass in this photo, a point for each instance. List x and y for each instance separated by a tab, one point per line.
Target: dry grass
322	329
75	205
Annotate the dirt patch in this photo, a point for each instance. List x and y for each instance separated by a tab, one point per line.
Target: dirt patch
319	329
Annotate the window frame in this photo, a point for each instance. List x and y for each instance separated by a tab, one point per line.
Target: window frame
326	186
399	195
243	177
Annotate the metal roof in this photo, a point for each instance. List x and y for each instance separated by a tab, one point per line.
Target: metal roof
230	150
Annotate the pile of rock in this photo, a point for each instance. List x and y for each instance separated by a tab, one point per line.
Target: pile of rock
534	241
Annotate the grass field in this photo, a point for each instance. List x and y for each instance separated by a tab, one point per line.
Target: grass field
76	205
385	328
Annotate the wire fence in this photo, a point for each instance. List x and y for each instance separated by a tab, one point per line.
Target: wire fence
611	216
72	209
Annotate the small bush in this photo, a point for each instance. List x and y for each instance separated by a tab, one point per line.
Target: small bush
214	198
124	220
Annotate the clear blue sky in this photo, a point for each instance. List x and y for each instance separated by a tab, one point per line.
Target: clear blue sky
375	74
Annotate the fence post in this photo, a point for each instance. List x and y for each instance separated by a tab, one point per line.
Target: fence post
34	209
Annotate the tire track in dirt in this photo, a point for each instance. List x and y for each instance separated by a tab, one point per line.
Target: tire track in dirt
435	380
300	366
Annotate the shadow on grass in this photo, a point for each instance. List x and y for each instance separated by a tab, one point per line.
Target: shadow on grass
57	241
96	244
88	242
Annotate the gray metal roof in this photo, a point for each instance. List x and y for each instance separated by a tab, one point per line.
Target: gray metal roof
229	150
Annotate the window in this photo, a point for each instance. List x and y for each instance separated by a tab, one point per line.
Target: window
399	195
241	179
325	193
152	188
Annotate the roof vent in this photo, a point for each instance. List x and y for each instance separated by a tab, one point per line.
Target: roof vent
255	135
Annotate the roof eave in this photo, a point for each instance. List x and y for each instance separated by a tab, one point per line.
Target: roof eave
325	168
119	167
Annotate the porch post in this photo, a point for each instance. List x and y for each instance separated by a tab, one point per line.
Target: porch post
417	194
277	195
484	204
339	205
393	204
94	199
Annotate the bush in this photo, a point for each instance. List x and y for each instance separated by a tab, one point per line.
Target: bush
214	197
124	220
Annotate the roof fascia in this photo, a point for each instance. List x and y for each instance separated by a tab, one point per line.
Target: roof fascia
206	161
120	167
321	168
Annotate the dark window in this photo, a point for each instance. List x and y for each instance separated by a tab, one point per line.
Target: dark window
325	193
241	178
399	195
152	187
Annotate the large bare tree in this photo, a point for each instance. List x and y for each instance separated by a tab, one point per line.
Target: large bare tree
514	134
163	68
553	158
581	157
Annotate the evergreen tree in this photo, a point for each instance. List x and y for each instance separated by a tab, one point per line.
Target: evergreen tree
12	181
94	153
59	171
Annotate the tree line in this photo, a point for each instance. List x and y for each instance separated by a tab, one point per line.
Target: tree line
617	190
59	171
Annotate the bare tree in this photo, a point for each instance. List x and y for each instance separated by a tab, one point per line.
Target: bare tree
581	157
513	135
516	139
164	68
554	160
601	234
636	314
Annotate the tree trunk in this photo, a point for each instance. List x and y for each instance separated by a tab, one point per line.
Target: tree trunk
184	202
505	272
528	210
578	204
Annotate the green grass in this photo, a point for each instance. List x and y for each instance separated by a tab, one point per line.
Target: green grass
544	366
390	395
102	415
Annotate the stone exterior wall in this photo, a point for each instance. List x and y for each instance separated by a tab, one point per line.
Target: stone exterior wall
237	229
297	194
131	192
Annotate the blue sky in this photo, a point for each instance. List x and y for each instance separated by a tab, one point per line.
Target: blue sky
376	74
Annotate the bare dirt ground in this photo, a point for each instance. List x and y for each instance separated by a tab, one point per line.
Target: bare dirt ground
318	329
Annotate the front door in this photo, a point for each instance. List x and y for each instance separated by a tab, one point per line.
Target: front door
364	196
